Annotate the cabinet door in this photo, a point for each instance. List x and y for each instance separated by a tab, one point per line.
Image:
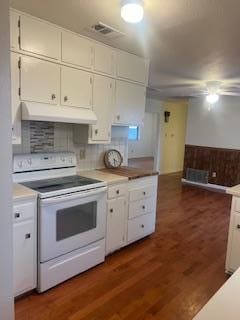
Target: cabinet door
76	88
14	30
129	104
116	224
103	107
103	59
16	110
24	257
40	81
132	67
235	245
77	50
40	37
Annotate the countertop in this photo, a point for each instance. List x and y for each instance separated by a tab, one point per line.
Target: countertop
20	192
107	177
225	303
235	191
130	173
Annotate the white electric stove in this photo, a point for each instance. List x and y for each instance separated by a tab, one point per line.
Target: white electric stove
71	215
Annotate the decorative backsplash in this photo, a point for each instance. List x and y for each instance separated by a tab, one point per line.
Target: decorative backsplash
56	137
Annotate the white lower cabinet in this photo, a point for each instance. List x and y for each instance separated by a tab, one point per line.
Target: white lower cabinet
116	224
24	247
140	227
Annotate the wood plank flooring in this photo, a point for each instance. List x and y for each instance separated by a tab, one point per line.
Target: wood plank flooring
169	275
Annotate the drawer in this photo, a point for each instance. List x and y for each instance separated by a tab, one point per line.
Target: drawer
138	208
237	205
141	227
119	190
23	211
142	193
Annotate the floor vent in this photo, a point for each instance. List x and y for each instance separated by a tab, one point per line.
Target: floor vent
195	175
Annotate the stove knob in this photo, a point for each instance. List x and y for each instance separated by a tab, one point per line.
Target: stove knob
20	164
70	160
63	159
29	161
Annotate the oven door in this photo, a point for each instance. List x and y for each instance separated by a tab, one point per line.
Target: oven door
70	222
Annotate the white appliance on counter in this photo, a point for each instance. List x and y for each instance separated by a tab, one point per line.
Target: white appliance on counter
71	215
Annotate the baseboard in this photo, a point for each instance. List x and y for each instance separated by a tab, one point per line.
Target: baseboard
205	185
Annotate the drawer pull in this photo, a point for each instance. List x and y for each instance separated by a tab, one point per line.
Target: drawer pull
28	236
238	226
17	215
143	207
144	193
117	191
142	226
111	210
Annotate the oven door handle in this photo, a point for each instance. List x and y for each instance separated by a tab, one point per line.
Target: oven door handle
73	196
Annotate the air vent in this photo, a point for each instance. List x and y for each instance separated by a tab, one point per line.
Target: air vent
105	30
195	175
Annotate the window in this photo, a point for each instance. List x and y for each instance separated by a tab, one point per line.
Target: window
133	133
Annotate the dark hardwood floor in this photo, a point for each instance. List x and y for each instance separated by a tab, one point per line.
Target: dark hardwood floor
169	275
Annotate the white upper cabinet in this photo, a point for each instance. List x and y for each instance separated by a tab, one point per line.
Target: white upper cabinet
77	50
16	110
103	108
103	59
14	30
132	67
40	81
76	88
40	38
129	103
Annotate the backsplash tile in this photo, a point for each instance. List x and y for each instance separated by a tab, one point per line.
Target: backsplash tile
57	137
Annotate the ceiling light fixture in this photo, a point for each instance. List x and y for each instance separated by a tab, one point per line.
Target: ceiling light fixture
132	11
213	91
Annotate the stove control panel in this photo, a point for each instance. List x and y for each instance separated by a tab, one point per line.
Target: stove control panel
43	161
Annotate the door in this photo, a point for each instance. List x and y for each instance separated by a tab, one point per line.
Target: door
129	104
103	108
76	88
77	50
116	224
14	30
40	37
16	110
40	81
103	59
235	245
24	257
70	222
132	67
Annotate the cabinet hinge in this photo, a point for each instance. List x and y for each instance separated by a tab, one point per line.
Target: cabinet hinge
19	23
19	92
91	81
19	63
19	40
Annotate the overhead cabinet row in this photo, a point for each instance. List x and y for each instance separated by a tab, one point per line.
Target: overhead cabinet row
37	37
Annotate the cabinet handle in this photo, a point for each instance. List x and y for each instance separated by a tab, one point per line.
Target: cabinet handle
143	207
17	215
238	226
144	193
28	236
53	96
117	191
96	131
111	210
65	98
142	225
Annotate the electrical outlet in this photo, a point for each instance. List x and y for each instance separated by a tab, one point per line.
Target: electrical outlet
82	154
214	174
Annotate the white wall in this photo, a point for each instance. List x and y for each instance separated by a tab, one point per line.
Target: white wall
145	147
219	127
6	299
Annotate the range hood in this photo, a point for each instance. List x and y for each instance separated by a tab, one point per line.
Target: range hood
43	112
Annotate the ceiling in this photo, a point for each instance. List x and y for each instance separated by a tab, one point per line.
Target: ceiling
188	41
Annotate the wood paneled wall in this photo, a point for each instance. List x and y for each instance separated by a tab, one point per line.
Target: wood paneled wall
225	162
